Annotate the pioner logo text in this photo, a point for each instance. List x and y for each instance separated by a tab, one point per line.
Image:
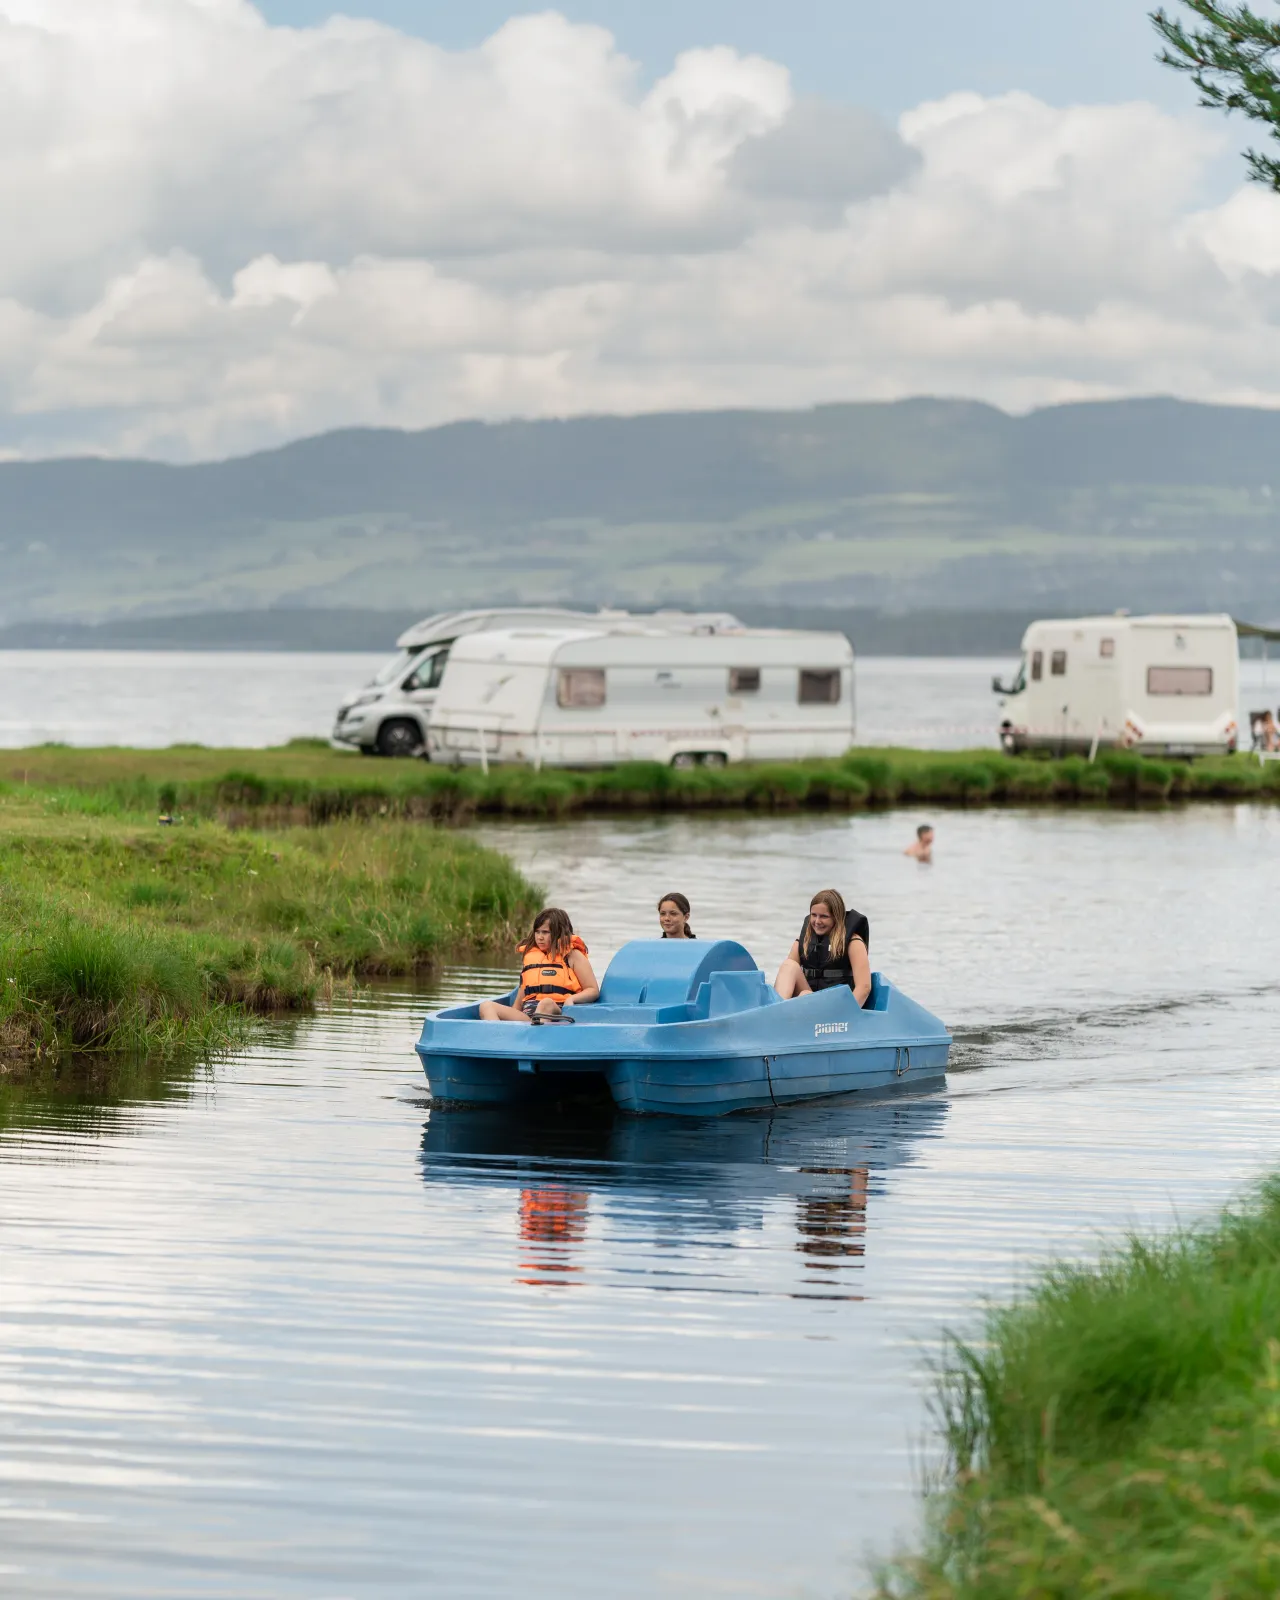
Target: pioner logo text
829	1027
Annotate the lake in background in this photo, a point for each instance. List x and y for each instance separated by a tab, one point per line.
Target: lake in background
243	700
276	1328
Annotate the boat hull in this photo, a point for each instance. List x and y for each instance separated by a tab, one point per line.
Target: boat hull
703	1037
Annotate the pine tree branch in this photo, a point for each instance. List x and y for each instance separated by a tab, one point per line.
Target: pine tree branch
1232	55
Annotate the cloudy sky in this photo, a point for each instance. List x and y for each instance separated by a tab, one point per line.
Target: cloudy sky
226	225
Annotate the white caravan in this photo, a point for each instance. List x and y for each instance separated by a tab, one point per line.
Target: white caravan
1163	685
578	697
388	716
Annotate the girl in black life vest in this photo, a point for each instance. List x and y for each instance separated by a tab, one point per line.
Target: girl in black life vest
554	973
831	951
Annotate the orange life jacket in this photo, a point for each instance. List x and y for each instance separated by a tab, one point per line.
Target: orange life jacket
545	974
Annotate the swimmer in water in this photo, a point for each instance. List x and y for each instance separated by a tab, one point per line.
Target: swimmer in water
921	847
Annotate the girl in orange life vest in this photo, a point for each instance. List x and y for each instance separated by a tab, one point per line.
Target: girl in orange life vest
831	951
555	973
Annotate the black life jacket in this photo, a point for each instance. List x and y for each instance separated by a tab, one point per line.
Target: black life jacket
821	969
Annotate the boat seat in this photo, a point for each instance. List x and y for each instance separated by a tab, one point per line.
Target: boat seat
727	992
878	999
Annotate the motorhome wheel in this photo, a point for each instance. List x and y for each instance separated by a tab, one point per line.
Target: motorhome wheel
399	737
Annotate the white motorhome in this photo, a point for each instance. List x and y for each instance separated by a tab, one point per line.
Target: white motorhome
589	696
388	716
1163	685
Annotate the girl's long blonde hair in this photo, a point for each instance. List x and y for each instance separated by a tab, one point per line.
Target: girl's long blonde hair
837	938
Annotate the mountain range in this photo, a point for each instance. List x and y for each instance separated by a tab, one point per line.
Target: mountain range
918	505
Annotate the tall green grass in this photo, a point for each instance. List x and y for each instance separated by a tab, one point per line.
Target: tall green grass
305	786
121	933
1117	1431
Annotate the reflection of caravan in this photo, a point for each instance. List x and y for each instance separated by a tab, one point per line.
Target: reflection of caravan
388	717
1165	685
589	696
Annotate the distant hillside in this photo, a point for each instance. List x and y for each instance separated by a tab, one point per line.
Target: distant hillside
874	633
919	505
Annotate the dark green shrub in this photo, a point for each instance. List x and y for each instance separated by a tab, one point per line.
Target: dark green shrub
1030	781
705	786
831	783
781	786
1080	779
957	781
632	785
1156	779
522	793
1236	782
1137	777
883	779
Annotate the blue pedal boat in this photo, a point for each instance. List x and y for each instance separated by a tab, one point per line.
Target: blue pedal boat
689	1028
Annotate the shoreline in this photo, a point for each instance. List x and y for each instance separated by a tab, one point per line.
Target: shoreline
306	783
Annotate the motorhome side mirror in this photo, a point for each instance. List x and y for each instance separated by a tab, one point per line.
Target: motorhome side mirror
997	687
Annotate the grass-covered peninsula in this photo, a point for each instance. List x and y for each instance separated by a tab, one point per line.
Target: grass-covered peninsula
306	782
117	931
1117	1431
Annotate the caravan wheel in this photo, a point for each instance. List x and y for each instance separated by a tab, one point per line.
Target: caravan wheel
699	758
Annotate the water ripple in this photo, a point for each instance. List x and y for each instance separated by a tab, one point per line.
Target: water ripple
287	1330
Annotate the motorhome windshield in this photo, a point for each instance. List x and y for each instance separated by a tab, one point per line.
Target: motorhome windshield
392	670
1019	683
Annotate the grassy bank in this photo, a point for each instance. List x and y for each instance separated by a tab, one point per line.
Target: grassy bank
1117	1432
115	931
307	783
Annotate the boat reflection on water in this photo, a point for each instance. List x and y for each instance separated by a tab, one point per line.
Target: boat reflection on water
832	1223
663	1185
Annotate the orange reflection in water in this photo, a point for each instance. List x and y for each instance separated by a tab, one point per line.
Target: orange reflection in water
552	1219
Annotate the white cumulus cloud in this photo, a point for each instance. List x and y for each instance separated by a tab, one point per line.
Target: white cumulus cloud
219	234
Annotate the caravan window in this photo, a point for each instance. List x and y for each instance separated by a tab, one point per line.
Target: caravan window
580	686
1058	664
1037	665
819	688
744	680
1179	680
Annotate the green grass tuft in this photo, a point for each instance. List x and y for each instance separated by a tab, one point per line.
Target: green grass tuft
1117	1431
120	933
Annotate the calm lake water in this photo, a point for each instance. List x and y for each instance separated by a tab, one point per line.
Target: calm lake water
156	698
275	1328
